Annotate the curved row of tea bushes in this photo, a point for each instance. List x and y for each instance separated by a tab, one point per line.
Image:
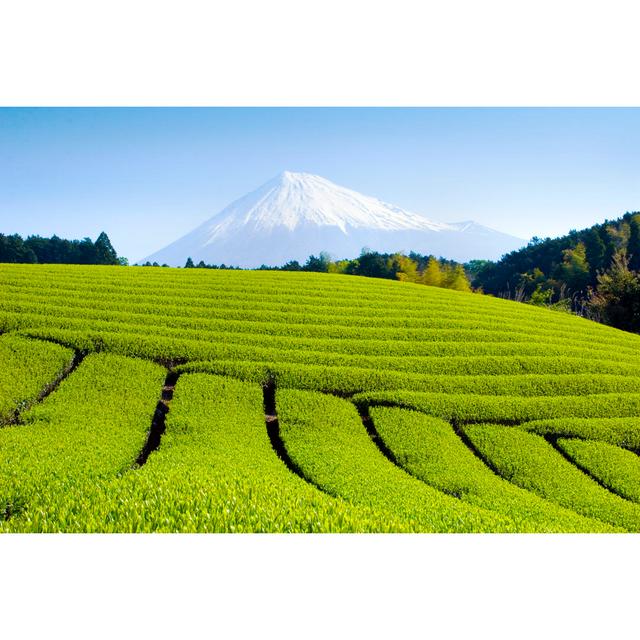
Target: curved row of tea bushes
325	438
90	429
590	358
430	450
194	344
615	468
623	432
509	409
28	368
530	462
299	290
320	298
350	380
101	307
460	357
215	471
323	328
328	290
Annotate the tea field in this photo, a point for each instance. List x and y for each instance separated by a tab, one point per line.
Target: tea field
171	400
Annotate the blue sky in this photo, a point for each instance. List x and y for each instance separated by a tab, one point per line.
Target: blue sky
147	176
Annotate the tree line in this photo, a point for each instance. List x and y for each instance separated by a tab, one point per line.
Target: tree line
594	272
55	250
416	268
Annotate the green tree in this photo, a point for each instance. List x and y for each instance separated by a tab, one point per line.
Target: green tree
532	281
104	251
189	264
292	265
459	280
319	264
432	275
340	266
633	247
540	297
596	251
574	270
14	249
616	300
609	245
473	267
371	265
405	268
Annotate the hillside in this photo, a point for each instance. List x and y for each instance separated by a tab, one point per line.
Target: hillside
208	400
296	215
569	264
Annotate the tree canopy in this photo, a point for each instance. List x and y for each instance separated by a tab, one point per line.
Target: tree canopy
55	250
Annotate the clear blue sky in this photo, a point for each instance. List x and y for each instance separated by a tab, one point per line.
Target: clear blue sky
147	176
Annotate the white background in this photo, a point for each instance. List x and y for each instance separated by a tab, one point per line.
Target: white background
319	53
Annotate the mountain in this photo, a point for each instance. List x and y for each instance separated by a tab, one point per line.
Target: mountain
299	214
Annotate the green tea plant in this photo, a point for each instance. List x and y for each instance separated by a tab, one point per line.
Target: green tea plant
614	467
93	427
215	471
383	347
509	409
623	432
28	369
326	439
430	450
529	461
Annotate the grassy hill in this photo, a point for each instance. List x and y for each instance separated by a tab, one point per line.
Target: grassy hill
194	400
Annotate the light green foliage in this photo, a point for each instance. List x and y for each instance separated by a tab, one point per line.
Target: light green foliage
357	380
530	462
446	353
541	297
91	428
511	409
624	432
432	274
574	269
217	471
429	449
456	279
616	468
214	472
328	442
26	368
406	269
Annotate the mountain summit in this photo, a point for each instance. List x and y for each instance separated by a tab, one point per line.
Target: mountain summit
295	215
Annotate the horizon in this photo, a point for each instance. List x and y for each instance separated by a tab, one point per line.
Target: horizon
148	176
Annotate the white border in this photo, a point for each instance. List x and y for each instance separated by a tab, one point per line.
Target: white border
335	52
315	586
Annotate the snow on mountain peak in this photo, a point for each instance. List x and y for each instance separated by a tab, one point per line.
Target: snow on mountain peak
296	214
292	199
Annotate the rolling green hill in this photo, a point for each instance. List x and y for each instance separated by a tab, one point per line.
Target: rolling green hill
204	400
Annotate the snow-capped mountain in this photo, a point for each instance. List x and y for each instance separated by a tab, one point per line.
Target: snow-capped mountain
299	214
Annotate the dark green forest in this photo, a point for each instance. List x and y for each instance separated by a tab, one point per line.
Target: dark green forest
594	272
55	250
